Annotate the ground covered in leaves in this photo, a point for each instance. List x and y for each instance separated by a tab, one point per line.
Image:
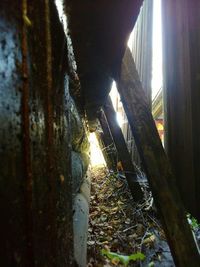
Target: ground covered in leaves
118	224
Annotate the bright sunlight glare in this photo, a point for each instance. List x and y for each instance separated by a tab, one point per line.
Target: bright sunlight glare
157	72
114	95
96	155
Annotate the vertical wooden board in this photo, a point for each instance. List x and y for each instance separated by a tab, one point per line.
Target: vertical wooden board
177	97
194	42
142	46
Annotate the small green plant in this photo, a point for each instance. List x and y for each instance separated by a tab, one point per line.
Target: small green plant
193	222
115	257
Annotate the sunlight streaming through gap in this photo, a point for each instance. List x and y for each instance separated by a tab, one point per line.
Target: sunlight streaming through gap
96	155
157	72
114	95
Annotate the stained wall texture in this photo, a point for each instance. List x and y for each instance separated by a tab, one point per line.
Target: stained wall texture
36	174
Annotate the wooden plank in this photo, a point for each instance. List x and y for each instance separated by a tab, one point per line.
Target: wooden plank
157	167
142	40
181	56
178	95
194	32
122	150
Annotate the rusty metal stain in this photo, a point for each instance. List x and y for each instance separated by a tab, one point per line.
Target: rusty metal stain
26	137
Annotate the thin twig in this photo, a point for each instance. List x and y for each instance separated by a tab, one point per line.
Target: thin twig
129	228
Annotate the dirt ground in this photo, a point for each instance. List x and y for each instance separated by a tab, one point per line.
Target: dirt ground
118	224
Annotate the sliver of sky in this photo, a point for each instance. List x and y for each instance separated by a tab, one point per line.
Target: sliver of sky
157	72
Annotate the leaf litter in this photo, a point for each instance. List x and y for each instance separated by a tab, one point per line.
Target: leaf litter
121	226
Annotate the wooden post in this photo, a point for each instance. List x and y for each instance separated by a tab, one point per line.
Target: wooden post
122	150
156	165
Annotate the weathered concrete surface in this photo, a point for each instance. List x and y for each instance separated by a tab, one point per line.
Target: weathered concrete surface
81	215
86	186
80	183
80	148
77	171
79	164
